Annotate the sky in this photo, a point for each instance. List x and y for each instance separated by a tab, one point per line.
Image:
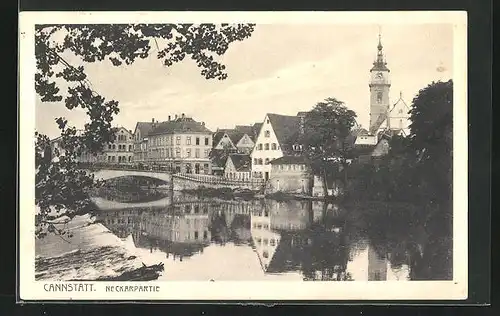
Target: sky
281	68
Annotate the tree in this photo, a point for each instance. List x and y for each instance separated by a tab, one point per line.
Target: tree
431	138
326	127
60	187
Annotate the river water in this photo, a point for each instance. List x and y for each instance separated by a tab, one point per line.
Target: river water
206	239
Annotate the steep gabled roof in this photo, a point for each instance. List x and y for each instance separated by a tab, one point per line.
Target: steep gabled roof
217	137
144	128
286	128
181	125
241	162
235	136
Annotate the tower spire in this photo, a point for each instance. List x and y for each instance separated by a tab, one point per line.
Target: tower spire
379	39
380	63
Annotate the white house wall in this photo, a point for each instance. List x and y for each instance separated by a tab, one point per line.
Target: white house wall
263	154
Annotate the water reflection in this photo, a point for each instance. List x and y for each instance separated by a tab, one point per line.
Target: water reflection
310	239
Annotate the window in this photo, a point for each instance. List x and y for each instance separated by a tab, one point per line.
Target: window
178	152
302	167
267	161
197	140
197	153
188	140
205	235
188	152
178	140
273	146
206	153
272	242
109	146
195	235
267	134
266	146
207	141
129	147
267	121
255	161
259	147
260	162
379	96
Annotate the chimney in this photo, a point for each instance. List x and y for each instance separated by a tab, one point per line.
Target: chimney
202	123
182	115
169	118
153	120
175	116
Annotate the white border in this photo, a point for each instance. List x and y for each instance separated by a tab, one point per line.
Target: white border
252	290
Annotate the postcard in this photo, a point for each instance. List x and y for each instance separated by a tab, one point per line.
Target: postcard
273	156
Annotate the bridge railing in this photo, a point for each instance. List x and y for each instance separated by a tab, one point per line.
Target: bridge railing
212	179
201	178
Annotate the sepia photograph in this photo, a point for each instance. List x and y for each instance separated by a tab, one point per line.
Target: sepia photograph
309	151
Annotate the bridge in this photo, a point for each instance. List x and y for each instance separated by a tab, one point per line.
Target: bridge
178	181
106	174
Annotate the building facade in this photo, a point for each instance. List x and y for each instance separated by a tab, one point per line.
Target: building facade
141	131
277	136
121	150
290	174
182	145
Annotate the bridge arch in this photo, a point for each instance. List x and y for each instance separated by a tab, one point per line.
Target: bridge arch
107	174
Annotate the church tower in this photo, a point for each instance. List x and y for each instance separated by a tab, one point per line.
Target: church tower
379	89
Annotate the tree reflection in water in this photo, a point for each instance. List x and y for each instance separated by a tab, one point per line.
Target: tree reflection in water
318	240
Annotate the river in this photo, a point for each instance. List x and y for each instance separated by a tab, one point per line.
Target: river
206	239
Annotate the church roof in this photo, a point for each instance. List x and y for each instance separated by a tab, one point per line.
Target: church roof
400	101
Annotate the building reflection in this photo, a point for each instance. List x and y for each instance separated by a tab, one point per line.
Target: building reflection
307	237
311	238
183	228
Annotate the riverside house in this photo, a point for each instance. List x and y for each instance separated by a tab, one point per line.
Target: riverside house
278	137
238	167
290	174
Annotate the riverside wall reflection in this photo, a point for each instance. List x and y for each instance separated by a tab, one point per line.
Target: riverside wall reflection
315	240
